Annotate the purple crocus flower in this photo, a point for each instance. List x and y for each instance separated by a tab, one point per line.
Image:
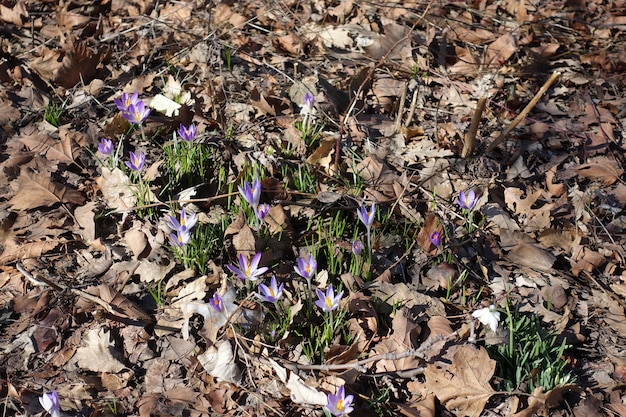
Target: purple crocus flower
105	146
357	247
187	221
339	404
125	101
187	133
251	193
306	267
435	238
248	269
367	216
136	113
50	403
136	161
272	293
180	238
467	201
329	301
309	100
262	210
217	303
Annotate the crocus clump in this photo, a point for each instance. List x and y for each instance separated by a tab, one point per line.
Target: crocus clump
262	210
125	101
181	229
217	303
136	113
367	215
187	221
306	267
339	404
248	269
307	110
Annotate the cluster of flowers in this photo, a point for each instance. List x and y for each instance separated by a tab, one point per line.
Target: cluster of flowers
133	109
181	228
136	112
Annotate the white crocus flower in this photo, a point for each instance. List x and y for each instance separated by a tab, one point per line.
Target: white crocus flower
488	316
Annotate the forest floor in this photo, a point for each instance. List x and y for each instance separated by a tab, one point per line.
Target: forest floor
515	106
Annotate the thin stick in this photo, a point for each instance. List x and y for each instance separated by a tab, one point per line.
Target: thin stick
41	282
524	112
398	123
470	138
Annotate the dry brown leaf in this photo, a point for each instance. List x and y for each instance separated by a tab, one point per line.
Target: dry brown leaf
47	146
224	14
69	20
16	252
533	218
122	306
85	217
220	363
138	243
37	190
405	332
80	64
539	400
500	51
463	387
524	251
431	225
603	169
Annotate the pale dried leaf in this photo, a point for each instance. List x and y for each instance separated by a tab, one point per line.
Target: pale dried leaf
98	353
17	15
85	217
117	189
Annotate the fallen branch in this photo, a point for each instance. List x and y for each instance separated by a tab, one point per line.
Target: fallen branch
524	112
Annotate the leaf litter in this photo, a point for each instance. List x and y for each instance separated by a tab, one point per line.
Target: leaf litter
96	306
